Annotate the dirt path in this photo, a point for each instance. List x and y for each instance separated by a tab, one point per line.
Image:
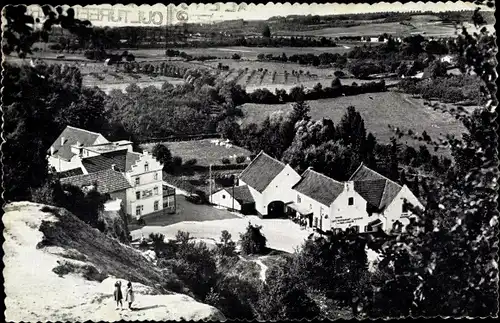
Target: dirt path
263	269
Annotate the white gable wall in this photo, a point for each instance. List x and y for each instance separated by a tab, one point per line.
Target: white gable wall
394	211
319	210
343	216
100	140
62	165
223	198
147	183
280	188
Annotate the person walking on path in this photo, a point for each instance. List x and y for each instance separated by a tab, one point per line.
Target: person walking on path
118	294
129	295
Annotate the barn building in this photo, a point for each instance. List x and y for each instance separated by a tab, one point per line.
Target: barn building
270	184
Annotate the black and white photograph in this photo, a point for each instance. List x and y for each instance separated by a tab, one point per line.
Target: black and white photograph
248	161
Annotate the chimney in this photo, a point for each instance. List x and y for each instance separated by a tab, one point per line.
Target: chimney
113	166
78	144
349	186
63	140
52	150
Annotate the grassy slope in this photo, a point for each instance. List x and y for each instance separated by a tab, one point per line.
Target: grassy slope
378	110
203	151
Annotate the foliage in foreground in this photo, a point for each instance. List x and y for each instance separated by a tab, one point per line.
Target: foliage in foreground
253	242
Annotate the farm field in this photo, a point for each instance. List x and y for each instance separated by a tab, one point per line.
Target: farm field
308	84
252	52
108	87
430	28
203	151
378	111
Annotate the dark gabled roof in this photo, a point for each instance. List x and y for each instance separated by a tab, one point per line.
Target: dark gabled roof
107	181
371	190
122	159
71	136
70	172
240	193
376	189
319	187
261	171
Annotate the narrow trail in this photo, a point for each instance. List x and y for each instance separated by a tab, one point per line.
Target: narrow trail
263	269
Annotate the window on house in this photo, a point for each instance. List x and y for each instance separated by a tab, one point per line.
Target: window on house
156	205
355	229
146	167
405	207
147	193
137	180
223	196
298	198
155	190
156	176
351	201
138	210
138	195
316	222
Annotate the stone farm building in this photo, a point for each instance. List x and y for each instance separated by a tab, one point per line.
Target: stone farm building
366	202
83	158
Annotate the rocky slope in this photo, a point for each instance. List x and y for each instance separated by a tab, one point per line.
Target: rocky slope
59	269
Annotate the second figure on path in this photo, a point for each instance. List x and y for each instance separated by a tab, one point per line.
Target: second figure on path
129	296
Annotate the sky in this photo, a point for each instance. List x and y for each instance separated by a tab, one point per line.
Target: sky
161	15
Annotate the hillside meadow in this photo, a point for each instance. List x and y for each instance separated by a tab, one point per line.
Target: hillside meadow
379	110
419	26
204	151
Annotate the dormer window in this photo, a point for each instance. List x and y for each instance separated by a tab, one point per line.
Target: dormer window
137	180
156	176
146	167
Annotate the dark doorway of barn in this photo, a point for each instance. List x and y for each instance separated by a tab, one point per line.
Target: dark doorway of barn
276	209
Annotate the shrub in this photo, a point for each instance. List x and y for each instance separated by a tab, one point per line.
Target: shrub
177	161
253	241
240	159
158	240
226	247
190	162
225	161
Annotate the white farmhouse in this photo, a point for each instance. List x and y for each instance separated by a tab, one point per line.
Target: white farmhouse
270	184
64	152
142	171
81	157
366	202
329	204
386	200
